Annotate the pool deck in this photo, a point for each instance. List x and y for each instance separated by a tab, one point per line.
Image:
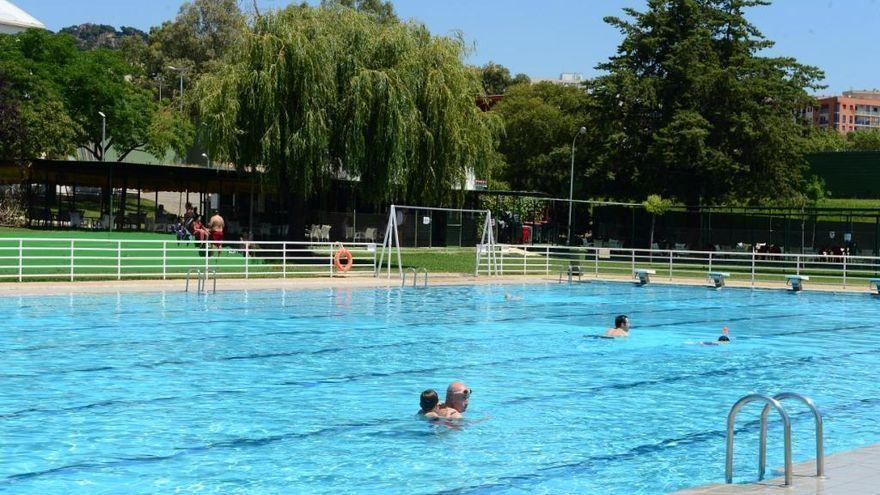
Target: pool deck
13	289
856	472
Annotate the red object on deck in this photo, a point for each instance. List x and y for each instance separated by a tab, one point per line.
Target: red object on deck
527	234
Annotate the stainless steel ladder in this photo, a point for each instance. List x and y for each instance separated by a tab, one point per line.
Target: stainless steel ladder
415	278
201	280
774	402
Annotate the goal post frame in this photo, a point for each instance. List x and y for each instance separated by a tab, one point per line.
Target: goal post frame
391	241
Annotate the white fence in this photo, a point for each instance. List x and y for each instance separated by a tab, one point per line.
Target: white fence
670	264
96	259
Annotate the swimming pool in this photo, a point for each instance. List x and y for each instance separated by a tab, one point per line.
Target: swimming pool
314	391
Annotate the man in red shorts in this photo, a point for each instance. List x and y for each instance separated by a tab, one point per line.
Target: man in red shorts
216	225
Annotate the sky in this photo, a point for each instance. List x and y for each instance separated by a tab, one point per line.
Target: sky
543	38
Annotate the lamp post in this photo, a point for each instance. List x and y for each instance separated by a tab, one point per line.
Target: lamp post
581	131
207	159
104	159
180	71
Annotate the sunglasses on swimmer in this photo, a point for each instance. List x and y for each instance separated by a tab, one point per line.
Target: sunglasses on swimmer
466	393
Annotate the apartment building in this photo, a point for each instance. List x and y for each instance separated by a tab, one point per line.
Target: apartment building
852	111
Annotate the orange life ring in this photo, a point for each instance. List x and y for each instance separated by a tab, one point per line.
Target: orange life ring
349	260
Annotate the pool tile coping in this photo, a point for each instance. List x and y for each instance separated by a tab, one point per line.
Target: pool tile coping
854	472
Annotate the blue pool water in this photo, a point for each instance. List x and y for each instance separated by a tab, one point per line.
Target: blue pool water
314	391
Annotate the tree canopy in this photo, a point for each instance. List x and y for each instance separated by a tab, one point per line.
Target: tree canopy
316	93
691	108
62	89
497	78
540	122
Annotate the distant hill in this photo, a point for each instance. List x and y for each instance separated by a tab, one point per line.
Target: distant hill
90	36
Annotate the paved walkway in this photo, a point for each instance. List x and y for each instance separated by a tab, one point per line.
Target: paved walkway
151	285
856	472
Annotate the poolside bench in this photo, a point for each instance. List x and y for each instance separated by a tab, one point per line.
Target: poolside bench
796	281
875	283
644	275
718	278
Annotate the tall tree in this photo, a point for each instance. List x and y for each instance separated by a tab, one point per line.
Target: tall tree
691	108
198	37
62	90
383	10
318	93
34	118
497	78
540	123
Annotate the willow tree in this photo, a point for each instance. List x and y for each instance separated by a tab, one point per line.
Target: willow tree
315	93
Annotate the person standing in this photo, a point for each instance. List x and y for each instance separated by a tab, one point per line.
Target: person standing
216	226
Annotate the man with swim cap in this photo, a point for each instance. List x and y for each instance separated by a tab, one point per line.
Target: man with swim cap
458	396
621	328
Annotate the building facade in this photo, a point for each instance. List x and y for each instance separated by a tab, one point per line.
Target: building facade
852	111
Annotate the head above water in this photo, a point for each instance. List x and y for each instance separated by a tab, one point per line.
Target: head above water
429	400
622	322
458	396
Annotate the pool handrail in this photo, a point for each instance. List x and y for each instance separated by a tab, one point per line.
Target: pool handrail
731	419
820	450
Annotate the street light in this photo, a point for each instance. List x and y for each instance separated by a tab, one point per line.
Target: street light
180	71
104	159
207	158
582	131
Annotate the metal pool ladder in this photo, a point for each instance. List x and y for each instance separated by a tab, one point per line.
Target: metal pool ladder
774	402
415	277
202	280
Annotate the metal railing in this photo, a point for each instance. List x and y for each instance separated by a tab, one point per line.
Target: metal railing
201	280
415	276
731	419
54	259
774	402
748	267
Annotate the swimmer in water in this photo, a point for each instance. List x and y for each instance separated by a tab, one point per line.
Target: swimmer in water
430	405
510	297
621	328
722	340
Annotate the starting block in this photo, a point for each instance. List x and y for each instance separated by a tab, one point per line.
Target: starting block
644	275
718	278
796	281
875	283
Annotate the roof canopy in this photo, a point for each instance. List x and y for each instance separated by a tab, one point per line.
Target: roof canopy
10	15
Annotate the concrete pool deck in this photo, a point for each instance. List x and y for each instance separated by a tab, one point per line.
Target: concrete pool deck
13	289
856	472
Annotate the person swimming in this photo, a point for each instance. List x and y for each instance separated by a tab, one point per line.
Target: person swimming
510	297
621	328
722	340
430	405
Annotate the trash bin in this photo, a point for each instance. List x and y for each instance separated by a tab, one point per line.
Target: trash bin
527	234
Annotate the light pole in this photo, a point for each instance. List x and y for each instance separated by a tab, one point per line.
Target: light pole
583	130
207	159
180	71
104	159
